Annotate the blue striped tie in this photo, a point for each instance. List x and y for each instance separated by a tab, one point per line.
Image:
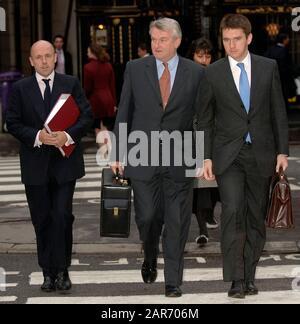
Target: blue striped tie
244	88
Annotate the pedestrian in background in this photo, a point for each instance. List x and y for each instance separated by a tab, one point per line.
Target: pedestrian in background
280	53
205	197
99	86
64	64
143	50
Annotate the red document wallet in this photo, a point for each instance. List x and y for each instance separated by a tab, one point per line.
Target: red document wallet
64	115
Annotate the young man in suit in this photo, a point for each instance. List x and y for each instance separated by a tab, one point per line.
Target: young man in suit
244	109
160	93
49	178
64	64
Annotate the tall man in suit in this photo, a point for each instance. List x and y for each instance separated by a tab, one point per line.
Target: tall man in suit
64	64
160	93
49	178
244	109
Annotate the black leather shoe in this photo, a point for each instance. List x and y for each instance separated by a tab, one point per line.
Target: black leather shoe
48	285
172	291
63	282
250	289
237	290
149	271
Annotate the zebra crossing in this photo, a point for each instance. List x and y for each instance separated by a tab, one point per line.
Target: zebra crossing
12	190
88	188
119	282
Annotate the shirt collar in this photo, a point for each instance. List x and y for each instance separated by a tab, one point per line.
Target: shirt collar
40	78
246	61
171	64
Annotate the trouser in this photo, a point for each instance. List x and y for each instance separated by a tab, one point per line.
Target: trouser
51	213
164	201
244	197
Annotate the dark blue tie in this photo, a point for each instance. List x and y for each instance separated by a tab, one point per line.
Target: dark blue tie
244	88
47	95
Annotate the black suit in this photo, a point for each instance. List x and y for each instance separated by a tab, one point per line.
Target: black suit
68	63
48	177
280	53
243	171
162	194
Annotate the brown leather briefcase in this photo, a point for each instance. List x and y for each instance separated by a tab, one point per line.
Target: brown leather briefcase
280	213
115	205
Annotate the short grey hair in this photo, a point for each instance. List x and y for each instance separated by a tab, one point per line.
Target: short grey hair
167	24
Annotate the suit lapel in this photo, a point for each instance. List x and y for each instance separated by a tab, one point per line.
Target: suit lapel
255	72
56	90
151	71
38	101
181	76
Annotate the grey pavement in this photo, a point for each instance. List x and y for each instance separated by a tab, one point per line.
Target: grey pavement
17	235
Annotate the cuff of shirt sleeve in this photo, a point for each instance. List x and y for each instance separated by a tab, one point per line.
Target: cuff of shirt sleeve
69	141
37	142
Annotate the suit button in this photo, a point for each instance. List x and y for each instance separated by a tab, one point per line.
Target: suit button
249	122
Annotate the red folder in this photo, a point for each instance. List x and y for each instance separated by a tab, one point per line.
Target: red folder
64	115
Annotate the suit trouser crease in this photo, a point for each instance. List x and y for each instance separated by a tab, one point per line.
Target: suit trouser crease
162	201
244	196
52	217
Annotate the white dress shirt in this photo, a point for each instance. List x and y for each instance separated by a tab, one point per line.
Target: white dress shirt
42	87
236	71
60	65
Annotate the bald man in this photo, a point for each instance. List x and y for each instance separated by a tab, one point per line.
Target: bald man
49	178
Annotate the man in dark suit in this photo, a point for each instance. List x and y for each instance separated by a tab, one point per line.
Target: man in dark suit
49	178
280	53
64	64
244	109
160	93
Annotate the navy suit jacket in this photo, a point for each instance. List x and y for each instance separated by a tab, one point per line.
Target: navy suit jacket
142	110
26	116
226	122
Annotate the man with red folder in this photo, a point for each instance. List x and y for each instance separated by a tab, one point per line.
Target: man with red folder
49	177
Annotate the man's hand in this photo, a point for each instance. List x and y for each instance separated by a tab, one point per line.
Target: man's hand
117	166
46	138
208	172
60	138
282	162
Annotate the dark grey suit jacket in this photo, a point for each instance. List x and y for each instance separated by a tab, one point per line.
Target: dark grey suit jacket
141	106
26	116
226	122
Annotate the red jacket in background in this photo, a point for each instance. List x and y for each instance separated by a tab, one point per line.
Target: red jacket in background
99	86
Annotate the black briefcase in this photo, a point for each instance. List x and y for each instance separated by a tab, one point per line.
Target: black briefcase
115	205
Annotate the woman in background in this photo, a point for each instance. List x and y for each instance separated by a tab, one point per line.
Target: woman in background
99	85
205	198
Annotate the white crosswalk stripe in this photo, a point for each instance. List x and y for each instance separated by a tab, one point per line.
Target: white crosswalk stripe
115	282
12	190
277	297
133	276
197	275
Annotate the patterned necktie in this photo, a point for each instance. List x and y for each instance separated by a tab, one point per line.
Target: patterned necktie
165	85
244	88
47	95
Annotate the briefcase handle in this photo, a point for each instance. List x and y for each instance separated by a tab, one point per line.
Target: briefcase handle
120	179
